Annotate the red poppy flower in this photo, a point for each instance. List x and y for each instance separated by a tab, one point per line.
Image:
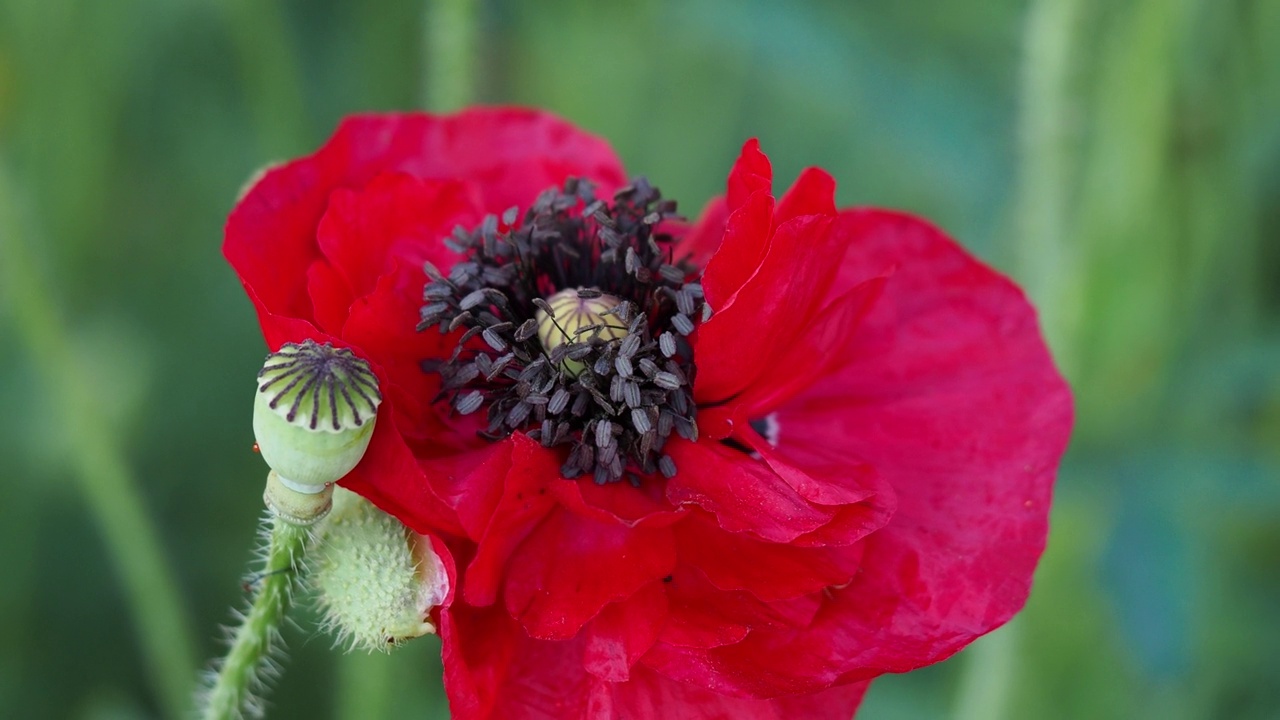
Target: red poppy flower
732	468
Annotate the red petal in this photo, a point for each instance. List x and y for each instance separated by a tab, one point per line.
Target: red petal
745	240
770	571
742	493
700	241
812	354
471	482
494	672
738	232
524	503
700	615
330	295
834	478
814	193
270	236
765	284
853	522
390	477
739	341
382	324
750	174
571	567
395	218
624	631
511	154
644	506
838	703
280	329
649	695
953	398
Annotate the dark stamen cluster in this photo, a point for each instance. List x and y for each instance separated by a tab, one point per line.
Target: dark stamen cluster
613	390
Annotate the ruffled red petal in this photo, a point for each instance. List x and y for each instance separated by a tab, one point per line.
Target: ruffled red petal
507	155
494	672
381	325
813	193
624	631
743	243
570	567
650	695
698	242
770	571
752	173
330	296
768	312
621	503
950	394
519	504
395	218
743	495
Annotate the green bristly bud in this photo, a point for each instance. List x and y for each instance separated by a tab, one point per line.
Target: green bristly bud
377	580
314	413
577	316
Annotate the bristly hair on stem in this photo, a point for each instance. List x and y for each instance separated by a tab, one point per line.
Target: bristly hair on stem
234	688
612	389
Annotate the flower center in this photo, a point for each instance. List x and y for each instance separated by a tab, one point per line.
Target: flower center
573	329
572	314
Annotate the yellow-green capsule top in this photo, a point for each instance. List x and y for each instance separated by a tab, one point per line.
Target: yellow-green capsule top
314	412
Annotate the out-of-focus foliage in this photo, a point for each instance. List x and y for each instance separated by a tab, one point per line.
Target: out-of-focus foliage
1121	158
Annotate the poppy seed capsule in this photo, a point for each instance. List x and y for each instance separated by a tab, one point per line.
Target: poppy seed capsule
313	416
578	316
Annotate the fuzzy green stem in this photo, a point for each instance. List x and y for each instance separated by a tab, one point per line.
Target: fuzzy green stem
240	676
105	481
450	54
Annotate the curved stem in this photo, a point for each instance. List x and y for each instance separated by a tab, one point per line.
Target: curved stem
450	54
1044	258
240	676
989	676
105	481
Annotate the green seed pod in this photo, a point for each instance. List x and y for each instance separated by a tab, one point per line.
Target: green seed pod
377	581
576	319
314	413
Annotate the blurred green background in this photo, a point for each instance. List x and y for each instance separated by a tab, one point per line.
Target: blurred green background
1120	158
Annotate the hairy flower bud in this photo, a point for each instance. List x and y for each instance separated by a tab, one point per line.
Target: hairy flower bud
377	580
